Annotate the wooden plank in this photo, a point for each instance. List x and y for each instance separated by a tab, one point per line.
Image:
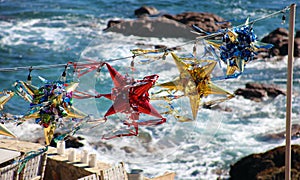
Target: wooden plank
90	177
36	178
7	155
289	92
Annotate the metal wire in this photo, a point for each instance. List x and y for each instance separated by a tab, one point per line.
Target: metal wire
42	67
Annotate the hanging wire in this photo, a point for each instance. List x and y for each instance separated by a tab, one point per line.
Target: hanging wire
38	67
268	16
208	36
42	67
249	23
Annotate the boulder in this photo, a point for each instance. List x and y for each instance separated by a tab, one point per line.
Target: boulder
102	145
159	27
146	11
207	21
270	89
112	23
172	26
253	94
279	136
268	165
279	38
297	45
144	137
257	91
128	149
219	107
71	141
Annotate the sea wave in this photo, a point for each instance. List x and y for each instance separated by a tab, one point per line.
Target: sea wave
201	149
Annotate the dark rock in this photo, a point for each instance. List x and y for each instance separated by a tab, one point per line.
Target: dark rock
257	91
112	23
80	138
151	149
173	26
159	27
297	46
146	11
297	34
160	47
270	89
144	137
277	173
207	21
238	169
102	145
253	94
195	173
279	38
128	149
214	106
71	141
275	137
268	165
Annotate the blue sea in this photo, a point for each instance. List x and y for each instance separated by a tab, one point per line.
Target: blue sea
34	33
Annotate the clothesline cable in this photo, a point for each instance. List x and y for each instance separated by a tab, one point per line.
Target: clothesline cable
208	36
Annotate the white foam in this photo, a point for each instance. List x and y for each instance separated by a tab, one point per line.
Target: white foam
43	33
231	138
211	143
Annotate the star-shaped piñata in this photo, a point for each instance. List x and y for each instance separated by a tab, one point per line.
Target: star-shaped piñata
49	104
5	96
6	132
238	46
194	81
131	97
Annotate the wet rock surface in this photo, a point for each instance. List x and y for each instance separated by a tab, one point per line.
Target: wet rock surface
207	21
279	136
268	165
279	38
71	141
160	27
167	25
257	91
145	11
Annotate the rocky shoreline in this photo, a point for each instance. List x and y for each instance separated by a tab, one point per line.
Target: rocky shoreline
267	165
258	92
150	23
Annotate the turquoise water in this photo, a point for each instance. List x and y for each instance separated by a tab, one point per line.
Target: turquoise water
55	32
51	32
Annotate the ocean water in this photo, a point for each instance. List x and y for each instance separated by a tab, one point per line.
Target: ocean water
55	32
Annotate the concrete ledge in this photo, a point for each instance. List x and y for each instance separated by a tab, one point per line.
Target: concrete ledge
59	167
